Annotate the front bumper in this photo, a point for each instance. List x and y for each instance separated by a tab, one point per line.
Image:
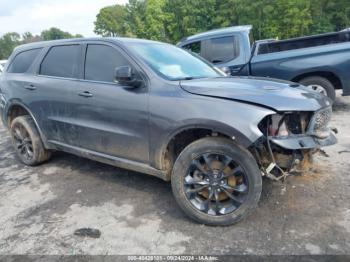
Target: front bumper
304	141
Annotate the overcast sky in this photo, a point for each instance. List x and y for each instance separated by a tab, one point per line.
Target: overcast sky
74	16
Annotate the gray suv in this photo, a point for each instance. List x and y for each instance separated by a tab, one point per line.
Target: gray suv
156	109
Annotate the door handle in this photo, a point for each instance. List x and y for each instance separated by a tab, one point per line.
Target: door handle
30	87
85	94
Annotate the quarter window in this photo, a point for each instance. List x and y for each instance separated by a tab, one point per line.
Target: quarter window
23	61
61	61
101	61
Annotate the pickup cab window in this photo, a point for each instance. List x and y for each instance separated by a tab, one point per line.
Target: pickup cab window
221	49
194	47
101	61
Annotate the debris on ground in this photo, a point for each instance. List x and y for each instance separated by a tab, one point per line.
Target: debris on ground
344	151
88	232
323	153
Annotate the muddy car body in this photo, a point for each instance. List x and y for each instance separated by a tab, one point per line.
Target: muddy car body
154	108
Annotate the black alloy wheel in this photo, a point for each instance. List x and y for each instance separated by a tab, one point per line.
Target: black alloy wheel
216	181
215	184
22	141
27	141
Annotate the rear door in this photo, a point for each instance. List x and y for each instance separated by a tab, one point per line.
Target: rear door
56	76
111	118
17	81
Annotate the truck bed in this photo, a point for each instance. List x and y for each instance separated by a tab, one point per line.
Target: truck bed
273	46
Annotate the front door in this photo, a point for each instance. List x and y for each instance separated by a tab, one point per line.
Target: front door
112	119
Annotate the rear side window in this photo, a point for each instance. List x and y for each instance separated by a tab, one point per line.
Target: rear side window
221	50
101	61
23	61
61	61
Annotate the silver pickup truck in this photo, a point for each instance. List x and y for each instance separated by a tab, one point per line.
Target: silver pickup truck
320	62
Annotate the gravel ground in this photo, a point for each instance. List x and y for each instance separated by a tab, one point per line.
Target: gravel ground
41	208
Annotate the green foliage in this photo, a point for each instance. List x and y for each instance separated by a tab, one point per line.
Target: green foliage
7	43
154	19
330	15
28	37
111	21
188	17
55	33
145	19
10	40
170	20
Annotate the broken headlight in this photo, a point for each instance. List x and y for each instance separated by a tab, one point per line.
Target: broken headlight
318	125
285	124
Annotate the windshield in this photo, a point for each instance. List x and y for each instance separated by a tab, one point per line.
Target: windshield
173	63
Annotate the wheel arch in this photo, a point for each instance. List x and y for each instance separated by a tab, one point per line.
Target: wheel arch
329	75
177	140
16	109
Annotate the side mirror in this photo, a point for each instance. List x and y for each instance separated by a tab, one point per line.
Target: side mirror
125	76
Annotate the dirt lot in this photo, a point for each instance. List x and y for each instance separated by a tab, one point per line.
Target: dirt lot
41	208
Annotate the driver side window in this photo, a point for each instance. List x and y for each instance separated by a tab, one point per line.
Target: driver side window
101	61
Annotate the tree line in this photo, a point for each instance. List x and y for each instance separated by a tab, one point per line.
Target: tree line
12	39
170	20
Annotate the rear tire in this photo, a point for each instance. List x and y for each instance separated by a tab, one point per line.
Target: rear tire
246	188
314	82
27	142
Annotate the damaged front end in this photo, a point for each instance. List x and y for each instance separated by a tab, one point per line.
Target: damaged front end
290	139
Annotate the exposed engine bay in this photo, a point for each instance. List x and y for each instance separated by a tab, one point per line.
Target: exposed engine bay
290	139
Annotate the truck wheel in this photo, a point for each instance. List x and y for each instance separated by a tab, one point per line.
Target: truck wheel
319	84
27	142
216	182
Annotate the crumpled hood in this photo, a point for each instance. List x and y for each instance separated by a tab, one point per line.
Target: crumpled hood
276	94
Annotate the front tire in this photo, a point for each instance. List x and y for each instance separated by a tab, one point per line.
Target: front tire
216	182
27	142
